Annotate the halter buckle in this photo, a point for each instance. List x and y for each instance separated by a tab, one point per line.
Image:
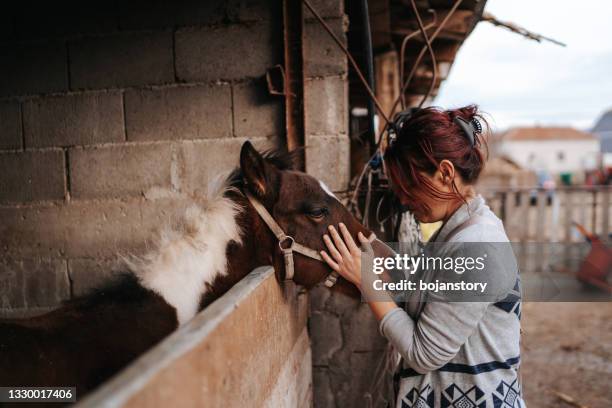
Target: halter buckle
286	239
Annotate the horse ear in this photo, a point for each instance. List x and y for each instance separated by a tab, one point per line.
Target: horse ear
258	174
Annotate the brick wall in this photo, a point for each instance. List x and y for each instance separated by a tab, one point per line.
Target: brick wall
110	115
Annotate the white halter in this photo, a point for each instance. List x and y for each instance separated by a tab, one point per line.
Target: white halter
287	243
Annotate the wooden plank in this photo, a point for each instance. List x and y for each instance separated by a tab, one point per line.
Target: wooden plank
605	216
567	219
509	214
222	357
386	71
580	200
540	232
594	211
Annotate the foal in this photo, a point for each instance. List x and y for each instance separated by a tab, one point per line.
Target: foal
89	339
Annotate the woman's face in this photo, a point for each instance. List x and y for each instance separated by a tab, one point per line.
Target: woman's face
437	209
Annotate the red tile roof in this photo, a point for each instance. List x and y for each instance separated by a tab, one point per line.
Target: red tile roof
547	133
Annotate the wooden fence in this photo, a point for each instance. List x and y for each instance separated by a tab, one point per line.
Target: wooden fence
250	348
549	248
539	215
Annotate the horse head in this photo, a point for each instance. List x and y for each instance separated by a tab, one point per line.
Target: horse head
303	207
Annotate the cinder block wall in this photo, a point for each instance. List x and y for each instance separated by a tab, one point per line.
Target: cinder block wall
110	114
346	345
326	96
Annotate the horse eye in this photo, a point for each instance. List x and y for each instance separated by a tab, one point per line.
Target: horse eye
318	212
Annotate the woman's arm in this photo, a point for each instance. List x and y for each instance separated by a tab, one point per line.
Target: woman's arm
442	328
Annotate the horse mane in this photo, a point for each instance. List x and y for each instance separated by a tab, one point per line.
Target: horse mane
124	287
127	286
279	158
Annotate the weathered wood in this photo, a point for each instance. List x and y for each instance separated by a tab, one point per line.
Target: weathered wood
294	81
387	82
248	348
605	216
456	28
569	205
509	214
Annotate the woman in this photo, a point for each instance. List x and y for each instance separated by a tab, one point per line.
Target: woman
454	353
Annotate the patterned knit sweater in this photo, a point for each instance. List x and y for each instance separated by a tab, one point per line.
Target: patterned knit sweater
460	354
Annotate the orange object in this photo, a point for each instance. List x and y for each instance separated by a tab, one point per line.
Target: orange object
597	266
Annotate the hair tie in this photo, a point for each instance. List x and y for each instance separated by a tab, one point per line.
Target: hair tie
469	128
398	123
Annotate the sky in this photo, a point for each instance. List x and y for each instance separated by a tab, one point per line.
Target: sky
520	82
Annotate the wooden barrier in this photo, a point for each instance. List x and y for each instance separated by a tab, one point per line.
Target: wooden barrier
248	348
538	215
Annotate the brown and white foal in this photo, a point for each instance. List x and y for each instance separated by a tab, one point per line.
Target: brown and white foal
89	339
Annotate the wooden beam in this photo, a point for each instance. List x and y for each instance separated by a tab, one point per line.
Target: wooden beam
386	68
294	75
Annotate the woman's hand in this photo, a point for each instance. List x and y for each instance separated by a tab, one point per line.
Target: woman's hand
344	255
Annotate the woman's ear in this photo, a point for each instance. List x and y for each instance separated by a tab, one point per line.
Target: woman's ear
447	172
260	177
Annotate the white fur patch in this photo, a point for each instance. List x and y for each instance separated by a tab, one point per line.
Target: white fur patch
327	190
190	254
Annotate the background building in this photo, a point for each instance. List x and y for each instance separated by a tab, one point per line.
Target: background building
552	150
603	130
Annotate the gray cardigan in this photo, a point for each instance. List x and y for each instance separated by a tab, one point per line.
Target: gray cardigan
460	354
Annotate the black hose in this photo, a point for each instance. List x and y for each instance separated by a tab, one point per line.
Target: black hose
369	60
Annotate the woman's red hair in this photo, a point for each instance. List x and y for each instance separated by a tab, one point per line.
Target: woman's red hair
429	136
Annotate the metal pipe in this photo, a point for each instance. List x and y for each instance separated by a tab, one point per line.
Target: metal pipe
369	62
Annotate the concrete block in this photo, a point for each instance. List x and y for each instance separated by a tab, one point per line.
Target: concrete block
112	229
322	56
103	229
323	393
326	336
22	73
121	60
82	229
10	130
206	161
328	159
360	330
78	119
87	274
120	170
32	176
254	10
32	232
318	296
325	8
325	106
36	19
97	229
341	304
142	14
256	112
184	112
33	283
213	53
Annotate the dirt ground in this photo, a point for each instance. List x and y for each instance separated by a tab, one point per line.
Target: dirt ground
567	349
